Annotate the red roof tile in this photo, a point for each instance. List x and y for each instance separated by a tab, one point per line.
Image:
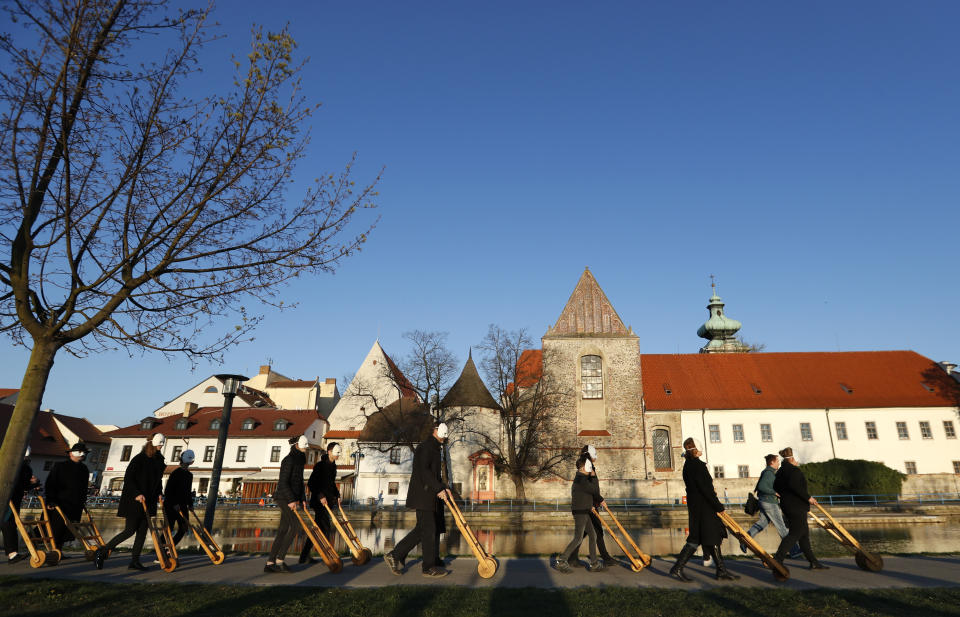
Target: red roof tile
5	392
406	388
804	380
83	429
341	434
529	369
299	420
45	440
293	383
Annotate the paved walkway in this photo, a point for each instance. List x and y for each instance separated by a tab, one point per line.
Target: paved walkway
898	572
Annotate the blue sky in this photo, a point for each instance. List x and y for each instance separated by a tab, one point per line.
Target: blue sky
807	155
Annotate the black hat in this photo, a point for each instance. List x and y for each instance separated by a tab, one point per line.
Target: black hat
79	447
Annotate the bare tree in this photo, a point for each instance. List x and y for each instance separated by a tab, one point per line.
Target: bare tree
526	444
134	217
747	347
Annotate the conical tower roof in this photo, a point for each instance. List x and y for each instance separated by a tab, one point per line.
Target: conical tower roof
589	311
469	390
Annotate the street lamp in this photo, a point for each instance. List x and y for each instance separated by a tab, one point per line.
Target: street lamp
231	383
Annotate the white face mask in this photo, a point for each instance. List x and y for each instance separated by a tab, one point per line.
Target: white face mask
336	450
587	466
592	452
302	442
158	440
442	431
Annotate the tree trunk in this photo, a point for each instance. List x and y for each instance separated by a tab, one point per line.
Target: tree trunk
24	412
518	486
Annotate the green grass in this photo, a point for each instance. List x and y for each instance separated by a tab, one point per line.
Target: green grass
28	597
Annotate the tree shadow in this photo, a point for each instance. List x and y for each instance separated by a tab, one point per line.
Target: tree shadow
519	600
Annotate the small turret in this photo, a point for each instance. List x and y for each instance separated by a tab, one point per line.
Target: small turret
719	330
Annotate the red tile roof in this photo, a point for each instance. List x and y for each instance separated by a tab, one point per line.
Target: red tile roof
83	429
406	388
341	434
529	369
804	380
299	420
293	383
45	440
5	392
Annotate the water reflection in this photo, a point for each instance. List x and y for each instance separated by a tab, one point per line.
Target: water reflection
541	539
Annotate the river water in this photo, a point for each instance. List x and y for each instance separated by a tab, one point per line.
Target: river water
544	539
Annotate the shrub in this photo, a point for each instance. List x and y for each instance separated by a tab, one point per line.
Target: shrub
852	477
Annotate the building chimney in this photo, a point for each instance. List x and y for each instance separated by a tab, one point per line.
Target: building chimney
265	369
331	380
189	409
949	367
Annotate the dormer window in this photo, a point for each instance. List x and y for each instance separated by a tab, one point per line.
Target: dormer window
846	388
280	425
147	424
666	389
215	424
182	424
756	388
927	387
249	424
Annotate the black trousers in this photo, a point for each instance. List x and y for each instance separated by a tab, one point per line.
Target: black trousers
798	532
323	521
11	535
135	524
177	516
601	545
286	532
427	535
59	528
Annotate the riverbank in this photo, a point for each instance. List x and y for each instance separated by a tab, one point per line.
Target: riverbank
908	586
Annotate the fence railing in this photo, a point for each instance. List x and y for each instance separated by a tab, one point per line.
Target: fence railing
556	505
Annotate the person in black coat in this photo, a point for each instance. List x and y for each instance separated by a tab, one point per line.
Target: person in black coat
795	502
23	482
323	492
289	496
177	496
584	496
706	528
574	559
142	484
423	495
66	487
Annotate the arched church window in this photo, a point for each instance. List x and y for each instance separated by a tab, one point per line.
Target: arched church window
591	376
662	459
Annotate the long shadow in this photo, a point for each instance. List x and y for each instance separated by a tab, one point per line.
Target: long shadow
519	600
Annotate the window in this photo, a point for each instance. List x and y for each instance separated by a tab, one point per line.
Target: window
667	390
103	456
175	455
393	488
210	390
925	431
902	431
718	471
743	471
125	453
956	466
208	454
280	425
394	456
116	484
805	433
911	467
248	424
714	433
215	424
203	486
591	376
147	424
241	454
766	433
949	430
738	434
871	430
275	454
841	428
662	457
182	424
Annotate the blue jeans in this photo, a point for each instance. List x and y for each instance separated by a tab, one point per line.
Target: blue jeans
769	513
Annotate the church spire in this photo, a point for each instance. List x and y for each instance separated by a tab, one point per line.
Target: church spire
719	330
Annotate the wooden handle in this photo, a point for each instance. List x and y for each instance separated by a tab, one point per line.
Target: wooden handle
343	533
637	564
641	554
478	551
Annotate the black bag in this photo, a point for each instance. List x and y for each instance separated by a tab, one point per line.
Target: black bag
752	506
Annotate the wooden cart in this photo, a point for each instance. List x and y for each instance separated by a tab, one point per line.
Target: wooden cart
320	542
361	555
38	537
865	560
487	564
780	571
638	559
162	540
86	531
204	539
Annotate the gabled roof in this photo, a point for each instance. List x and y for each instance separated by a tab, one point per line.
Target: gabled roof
469	390
588	311
254	398
298	421
83	429
46	438
5	392
403	421
406	388
802	380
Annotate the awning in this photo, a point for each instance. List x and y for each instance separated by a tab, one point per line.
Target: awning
264	475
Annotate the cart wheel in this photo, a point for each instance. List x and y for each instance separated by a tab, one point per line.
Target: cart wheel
488	567
646	560
365	556
779	576
636	568
89	555
337	566
53	557
171	565
868	561
218	558
37	560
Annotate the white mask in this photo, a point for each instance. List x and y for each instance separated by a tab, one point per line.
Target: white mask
302	442
442	431
587	466
592	452
336	450
158	440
